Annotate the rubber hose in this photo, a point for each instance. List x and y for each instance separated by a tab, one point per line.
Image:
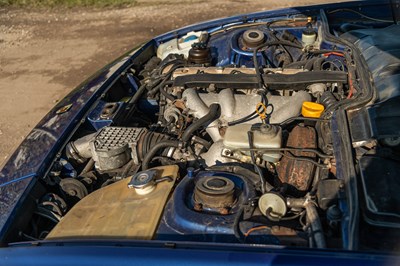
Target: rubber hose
202	142
310	63
270	217
138	94
132	102
248	117
318	64
212	115
236	225
313	219
328	100
167	95
153	151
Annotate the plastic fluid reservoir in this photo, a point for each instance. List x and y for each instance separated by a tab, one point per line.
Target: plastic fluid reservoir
264	136
179	46
308	36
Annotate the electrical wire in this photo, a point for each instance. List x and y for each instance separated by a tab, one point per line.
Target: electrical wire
334	53
54	219
300	158
331	64
292	217
262	227
300	118
252	24
273	34
327	52
253	159
166	94
308	19
265	45
164	82
302	216
246	118
172	62
360	14
252	115
30	238
351	85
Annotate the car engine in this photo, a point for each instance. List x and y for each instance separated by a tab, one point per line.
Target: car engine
222	135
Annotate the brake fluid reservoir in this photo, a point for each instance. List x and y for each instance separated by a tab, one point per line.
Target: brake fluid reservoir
264	136
179	46
308	36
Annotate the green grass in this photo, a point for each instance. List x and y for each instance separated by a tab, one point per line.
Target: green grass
66	3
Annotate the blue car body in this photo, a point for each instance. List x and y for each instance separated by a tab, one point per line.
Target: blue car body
33	158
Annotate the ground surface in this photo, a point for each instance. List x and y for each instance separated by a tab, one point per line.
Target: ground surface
46	53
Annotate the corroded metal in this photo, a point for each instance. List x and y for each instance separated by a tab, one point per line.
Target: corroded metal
298	174
215	192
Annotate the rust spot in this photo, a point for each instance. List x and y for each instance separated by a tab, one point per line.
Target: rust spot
282	231
333	167
64	109
288	236
223	211
298	174
198	207
180	104
222	131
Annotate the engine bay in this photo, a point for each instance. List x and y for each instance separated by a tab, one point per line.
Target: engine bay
223	135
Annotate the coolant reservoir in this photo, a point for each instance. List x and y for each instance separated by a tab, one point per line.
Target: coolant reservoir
264	136
118	211
178	46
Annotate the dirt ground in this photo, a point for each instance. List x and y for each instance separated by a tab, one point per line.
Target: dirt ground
46	53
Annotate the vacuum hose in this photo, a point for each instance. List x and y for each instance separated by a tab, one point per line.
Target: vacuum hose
212	115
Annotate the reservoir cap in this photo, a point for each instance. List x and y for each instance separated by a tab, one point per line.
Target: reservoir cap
310	109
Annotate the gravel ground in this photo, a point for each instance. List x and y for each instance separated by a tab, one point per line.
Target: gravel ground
45	53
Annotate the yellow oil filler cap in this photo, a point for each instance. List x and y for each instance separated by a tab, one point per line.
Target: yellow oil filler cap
310	109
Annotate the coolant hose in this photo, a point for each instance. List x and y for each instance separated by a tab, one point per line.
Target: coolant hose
153	151
316	227
212	114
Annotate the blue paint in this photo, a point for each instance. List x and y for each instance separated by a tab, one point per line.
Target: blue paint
148	106
190	172
97	121
133	83
159	253
343	204
34	156
181	221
